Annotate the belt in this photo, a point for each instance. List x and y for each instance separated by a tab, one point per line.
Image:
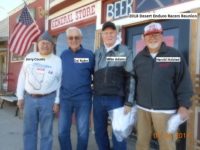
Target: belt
40	95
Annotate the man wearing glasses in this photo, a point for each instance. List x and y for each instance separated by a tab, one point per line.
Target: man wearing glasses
113	84
163	88
75	91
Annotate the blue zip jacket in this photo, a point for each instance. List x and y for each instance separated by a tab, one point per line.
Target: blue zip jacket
77	69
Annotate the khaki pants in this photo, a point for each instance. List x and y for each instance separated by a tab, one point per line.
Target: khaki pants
147	123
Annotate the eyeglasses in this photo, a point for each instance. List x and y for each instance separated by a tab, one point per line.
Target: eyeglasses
74	37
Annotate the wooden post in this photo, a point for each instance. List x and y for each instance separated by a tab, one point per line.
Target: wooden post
98	39
193	52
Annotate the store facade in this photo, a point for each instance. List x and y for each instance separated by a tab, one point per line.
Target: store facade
82	14
89	16
4	31
181	34
15	61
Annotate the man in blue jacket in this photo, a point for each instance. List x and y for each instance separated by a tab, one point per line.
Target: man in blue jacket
75	91
163	88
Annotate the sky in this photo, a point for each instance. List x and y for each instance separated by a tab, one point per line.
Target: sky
8	5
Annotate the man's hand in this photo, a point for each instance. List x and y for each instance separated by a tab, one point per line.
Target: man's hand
184	113
56	108
127	109
20	104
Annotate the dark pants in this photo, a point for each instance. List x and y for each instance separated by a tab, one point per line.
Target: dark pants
82	109
101	106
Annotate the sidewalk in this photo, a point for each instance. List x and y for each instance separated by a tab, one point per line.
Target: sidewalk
11	132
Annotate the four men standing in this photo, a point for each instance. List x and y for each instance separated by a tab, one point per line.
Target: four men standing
160	89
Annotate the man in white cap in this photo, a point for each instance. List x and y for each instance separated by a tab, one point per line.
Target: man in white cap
38	93
163	88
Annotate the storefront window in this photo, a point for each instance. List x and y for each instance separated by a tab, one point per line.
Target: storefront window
88	39
176	34
170	38
61	43
88	36
144	5
17	58
51	1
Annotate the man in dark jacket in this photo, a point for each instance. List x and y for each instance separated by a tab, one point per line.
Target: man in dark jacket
113	85
163	88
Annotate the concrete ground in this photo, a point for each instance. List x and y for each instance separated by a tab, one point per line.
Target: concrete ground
11	132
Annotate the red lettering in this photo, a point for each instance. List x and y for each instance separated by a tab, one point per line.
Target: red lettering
93	10
84	13
78	15
88	11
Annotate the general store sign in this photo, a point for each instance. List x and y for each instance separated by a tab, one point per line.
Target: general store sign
74	16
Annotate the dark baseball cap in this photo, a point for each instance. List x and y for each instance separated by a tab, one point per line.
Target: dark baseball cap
109	25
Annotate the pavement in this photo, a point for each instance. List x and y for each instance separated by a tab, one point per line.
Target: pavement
11	132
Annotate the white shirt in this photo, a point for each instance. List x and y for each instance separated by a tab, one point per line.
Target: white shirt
153	55
118	41
157	111
40	75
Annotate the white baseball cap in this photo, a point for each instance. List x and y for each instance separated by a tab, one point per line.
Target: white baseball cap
153	28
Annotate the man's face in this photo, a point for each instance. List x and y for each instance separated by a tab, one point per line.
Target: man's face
45	47
153	41
74	39
109	36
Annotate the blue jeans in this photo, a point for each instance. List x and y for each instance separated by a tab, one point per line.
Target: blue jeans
101	106
82	109
38	111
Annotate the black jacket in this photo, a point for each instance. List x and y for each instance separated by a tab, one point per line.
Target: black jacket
112	74
162	85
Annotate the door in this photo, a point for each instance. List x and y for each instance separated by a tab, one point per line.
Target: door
3	81
176	34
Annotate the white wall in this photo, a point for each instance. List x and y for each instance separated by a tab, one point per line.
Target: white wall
55	2
4	28
20	7
198	48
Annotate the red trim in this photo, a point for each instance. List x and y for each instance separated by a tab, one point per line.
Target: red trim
103	8
123	30
62	5
14	67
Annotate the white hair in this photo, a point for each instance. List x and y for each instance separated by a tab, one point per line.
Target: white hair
73	29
